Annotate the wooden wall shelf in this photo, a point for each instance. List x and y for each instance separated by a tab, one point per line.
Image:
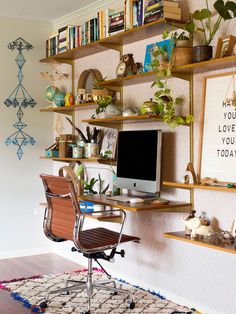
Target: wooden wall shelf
171	207
70	109
67	159
182	71
114	42
117	121
198	186
182	237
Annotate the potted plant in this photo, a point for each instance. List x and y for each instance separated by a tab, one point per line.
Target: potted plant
182	52
99	91
107	107
206	23
167	105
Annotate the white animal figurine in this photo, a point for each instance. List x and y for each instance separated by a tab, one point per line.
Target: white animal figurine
198	228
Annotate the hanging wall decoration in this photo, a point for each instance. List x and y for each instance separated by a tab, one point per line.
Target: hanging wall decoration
20	99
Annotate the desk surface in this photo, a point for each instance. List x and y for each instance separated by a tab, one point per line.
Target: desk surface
147	206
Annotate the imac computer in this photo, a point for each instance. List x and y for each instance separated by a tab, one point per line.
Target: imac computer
139	162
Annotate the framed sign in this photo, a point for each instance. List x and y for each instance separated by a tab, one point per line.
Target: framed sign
217	149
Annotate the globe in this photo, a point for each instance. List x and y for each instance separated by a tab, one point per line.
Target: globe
59	99
50	92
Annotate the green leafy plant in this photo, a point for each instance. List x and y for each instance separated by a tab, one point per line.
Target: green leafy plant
205	23
103	102
160	62
90	184
96	84
167	105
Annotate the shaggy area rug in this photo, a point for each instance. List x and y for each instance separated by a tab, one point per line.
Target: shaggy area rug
32	291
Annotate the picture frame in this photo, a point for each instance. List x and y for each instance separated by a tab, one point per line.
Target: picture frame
217	154
168	44
110	141
225	46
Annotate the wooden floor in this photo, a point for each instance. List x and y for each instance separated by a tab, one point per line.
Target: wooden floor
27	267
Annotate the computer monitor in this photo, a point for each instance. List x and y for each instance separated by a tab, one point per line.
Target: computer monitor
139	160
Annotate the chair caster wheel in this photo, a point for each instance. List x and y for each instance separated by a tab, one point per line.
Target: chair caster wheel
43	305
131	305
87	312
67	292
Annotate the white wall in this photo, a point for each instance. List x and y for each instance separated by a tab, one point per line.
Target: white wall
21	189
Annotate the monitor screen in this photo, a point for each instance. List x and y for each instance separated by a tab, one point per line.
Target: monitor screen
138	162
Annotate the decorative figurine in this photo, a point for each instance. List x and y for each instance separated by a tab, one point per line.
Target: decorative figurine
198	227
67	101
189	175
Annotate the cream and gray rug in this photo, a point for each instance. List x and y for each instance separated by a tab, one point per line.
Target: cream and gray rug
32	291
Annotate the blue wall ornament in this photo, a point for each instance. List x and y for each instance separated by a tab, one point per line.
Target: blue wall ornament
20	98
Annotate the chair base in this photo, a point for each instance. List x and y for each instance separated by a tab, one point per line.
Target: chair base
89	286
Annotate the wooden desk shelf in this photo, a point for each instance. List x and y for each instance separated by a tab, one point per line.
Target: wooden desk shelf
68	159
198	186
171	207
70	109
229	248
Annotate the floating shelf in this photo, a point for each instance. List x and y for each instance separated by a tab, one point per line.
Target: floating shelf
149	206
198	186
180	71
67	159
114	42
70	109
182	237
116	121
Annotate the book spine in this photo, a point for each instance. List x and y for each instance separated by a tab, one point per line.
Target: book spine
135	13
140	13
91	30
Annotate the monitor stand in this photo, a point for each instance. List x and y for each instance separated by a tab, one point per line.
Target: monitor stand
145	196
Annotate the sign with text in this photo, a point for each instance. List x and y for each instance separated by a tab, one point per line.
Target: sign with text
218	138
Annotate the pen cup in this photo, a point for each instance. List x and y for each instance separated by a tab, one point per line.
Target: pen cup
90	150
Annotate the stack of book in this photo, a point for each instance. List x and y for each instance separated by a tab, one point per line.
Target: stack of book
172	10
153	11
116	21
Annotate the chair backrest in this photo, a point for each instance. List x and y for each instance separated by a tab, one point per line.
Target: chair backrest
62	207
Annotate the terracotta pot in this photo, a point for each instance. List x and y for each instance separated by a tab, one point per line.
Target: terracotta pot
182	56
202	53
183	43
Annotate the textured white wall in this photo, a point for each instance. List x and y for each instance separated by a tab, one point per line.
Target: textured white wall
191	275
21	189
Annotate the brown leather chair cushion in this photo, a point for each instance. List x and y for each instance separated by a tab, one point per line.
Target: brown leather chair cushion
97	237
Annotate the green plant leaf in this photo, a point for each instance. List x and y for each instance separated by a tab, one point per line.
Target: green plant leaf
202	15
97	111
166	91
165	34
189	119
223	9
160	84
190	27
179	120
179	101
158	94
231	6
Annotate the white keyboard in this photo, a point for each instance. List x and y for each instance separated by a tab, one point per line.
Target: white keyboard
120	198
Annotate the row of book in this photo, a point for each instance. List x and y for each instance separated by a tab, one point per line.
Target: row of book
109	22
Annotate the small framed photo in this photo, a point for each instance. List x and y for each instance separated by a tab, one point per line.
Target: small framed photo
225	46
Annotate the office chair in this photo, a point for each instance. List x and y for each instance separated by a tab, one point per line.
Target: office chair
63	220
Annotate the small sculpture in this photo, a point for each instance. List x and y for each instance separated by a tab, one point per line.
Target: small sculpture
67	101
198	227
189	175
